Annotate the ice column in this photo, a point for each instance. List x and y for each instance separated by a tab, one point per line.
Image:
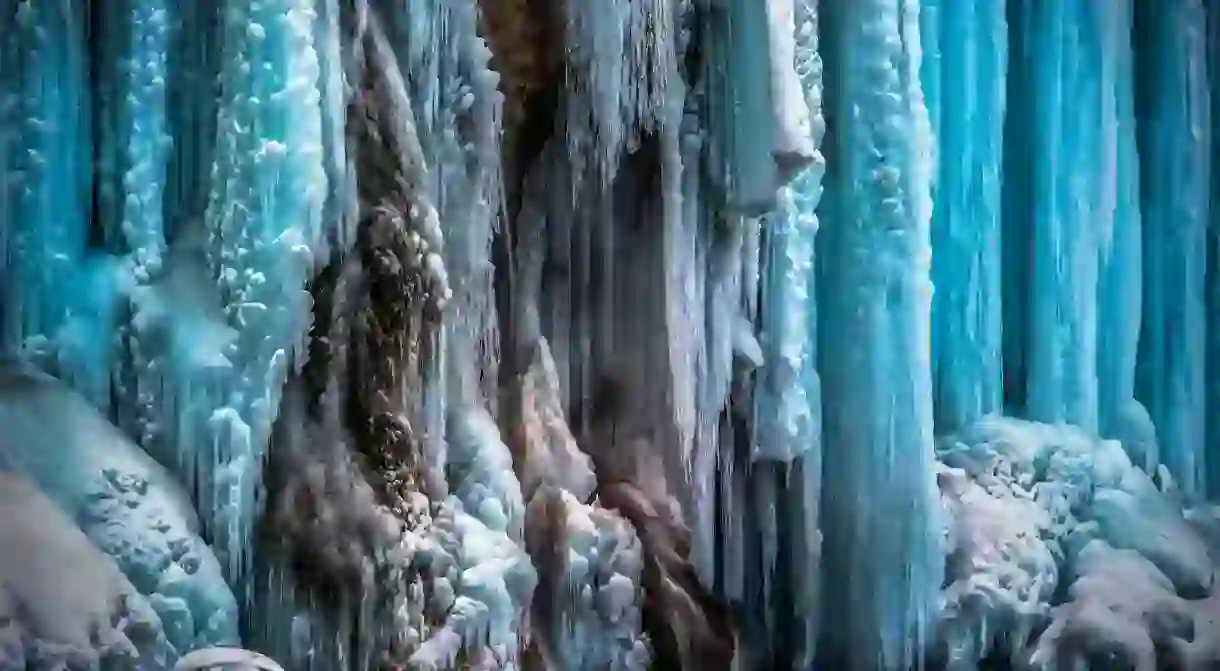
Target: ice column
740	105
133	142
130	55
1173	109
963	72
1213	261
1056	211
882	564
46	151
1120	291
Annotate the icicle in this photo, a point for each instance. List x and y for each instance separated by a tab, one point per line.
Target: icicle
1061	99
44	225
1174	116
1213	260
963	72
618	64
1121	296
737	54
879	508
794	135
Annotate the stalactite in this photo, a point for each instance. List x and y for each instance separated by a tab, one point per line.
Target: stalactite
1059	213
1213	260
48	174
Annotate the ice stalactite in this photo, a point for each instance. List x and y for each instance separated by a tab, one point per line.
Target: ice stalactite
739	97
620	59
790	408
1173	109
879	511
1076	195
134	141
263	227
457	108
964	75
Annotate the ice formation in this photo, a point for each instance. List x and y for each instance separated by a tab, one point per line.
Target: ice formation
621	334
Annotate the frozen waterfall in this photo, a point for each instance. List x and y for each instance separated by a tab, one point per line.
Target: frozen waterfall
875	335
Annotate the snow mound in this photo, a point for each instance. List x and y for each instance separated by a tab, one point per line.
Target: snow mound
1061	552
127	504
63	604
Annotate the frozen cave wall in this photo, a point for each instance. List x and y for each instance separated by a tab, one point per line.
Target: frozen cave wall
555	334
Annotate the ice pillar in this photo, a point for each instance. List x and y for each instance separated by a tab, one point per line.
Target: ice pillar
46	151
1213	263
964	69
1120	291
882	566
788	408
1173	109
1055	209
741	98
